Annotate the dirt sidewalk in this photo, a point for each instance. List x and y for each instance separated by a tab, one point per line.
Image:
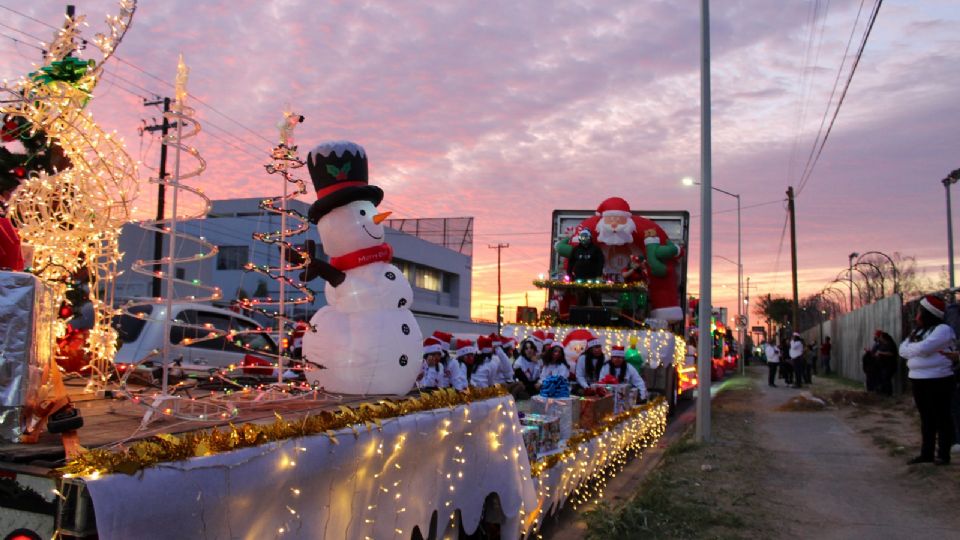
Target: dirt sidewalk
846	480
771	471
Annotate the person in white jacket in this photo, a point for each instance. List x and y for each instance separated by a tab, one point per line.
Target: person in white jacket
931	376
624	372
554	363
772	353
437	371
798	360
590	363
527	367
479	368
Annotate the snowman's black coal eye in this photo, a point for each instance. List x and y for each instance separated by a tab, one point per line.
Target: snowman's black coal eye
363	212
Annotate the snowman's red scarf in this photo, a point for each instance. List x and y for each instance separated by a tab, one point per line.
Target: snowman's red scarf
360	257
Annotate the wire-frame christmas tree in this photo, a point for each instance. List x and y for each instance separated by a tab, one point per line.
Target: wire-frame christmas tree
166	403
284	160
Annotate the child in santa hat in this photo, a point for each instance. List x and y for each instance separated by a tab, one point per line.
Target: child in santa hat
554	363
437	371
528	366
624	372
590	363
479	371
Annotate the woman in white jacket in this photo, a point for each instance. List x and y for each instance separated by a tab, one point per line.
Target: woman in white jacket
624	372
931	376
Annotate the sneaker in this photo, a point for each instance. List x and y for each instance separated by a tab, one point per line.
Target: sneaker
920	459
942	461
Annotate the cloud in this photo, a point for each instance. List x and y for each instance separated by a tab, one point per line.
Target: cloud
506	111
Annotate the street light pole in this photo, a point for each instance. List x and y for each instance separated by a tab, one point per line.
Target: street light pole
705	348
851	257
950	179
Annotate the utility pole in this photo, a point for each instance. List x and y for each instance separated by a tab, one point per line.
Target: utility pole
705	340
163	128
951	179
793	258
499	247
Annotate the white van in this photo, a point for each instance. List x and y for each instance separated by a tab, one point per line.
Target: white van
141	336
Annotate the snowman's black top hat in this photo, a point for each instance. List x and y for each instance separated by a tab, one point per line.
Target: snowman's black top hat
339	173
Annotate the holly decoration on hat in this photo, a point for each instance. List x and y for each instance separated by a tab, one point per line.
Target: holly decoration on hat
340	173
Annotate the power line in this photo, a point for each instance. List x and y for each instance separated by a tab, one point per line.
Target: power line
29	17
843	95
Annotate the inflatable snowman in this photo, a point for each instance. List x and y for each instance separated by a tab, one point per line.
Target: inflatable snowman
365	337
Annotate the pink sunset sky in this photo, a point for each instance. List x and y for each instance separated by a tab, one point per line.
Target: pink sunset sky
506	110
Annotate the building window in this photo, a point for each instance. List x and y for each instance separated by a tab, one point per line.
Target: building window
233	257
428	278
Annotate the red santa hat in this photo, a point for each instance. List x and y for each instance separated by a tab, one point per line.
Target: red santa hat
432	345
444	339
538	337
617	351
509	342
495	340
465	346
485	344
549	339
614	206
934	305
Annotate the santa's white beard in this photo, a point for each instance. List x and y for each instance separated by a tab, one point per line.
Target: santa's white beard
620	236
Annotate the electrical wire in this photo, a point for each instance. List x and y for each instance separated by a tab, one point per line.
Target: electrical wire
853	69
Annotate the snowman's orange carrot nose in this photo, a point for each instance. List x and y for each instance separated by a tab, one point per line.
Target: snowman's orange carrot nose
380	217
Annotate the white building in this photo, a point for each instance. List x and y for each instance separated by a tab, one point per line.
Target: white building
436	256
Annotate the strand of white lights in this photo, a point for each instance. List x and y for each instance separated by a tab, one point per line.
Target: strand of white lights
165	403
73	217
284	161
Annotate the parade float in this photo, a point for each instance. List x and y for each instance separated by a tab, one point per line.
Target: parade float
345	450
635	299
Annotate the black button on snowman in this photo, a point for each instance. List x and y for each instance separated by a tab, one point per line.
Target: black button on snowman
367	325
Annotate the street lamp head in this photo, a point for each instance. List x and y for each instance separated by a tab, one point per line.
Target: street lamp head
688	181
854	255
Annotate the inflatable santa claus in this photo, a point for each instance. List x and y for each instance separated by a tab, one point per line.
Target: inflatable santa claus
622	235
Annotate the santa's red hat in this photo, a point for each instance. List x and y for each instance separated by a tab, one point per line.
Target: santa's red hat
549	339
579	335
495	340
431	345
617	351
485	344
934	305
614	206
465	346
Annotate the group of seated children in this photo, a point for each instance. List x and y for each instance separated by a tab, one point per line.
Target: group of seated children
495	359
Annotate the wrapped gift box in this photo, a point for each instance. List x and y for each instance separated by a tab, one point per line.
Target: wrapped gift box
633	395
27	313
531	436
621	396
566	409
549	431
594	409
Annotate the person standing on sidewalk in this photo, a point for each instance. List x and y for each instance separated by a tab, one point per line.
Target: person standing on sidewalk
825	355
773	361
798	360
931	376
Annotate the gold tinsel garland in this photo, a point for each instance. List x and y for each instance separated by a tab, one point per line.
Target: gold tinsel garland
575	440
592	285
168	448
